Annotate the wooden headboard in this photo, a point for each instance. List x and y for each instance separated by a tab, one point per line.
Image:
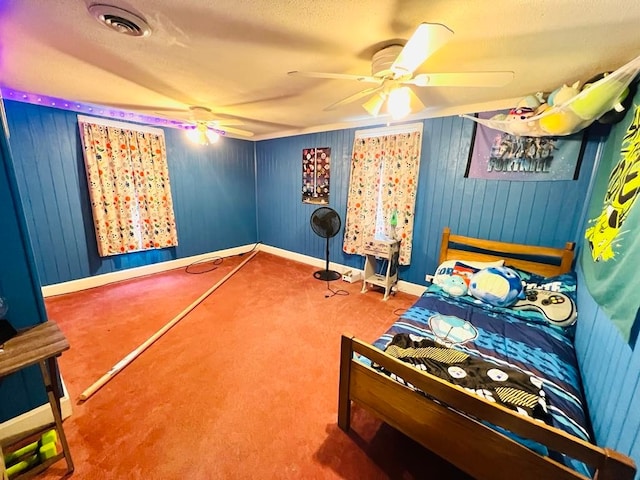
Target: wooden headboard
546	261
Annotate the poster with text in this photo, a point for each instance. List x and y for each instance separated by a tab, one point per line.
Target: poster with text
497	155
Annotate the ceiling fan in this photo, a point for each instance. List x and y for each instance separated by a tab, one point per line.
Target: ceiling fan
393	73
202	119
196	117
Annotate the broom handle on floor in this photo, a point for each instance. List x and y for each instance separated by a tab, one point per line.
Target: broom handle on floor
134	354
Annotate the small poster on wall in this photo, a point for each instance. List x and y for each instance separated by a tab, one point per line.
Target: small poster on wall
316	164
496	155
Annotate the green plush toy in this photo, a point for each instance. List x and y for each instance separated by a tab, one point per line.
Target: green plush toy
599	97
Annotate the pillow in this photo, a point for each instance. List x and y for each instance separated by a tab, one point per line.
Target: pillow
565	283
446	268
556	308
464	271
550	299
498	286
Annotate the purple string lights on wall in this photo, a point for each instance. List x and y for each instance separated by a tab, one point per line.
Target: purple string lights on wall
91	109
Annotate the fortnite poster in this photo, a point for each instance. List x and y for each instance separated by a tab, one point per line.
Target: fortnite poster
497	155
611	253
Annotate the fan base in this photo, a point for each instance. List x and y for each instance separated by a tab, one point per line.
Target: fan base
326	275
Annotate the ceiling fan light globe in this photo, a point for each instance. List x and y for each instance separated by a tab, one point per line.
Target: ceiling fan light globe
193	135
212	136
201	134
399	103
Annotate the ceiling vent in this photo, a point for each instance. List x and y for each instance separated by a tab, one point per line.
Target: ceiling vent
120	20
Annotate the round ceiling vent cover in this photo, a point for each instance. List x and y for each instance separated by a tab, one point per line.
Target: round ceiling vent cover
120	20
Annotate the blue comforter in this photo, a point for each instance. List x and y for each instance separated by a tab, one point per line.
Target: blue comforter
505	340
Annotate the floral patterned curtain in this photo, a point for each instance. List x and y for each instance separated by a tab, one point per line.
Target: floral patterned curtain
382	189
128	186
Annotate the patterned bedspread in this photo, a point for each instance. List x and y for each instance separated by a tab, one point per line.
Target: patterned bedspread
503	385
510	343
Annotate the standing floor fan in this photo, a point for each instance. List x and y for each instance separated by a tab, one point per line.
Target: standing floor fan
325	222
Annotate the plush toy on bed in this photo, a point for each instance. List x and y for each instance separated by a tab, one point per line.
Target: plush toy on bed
454	285
498	286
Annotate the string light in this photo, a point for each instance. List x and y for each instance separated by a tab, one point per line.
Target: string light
78	107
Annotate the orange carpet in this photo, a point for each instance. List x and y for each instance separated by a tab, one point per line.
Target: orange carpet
244	387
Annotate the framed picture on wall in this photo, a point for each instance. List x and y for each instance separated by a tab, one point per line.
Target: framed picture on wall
496	155
316	170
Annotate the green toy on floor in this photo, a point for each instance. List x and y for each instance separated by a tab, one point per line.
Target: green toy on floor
32	454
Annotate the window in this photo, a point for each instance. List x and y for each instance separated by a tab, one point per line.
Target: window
128	185
385	164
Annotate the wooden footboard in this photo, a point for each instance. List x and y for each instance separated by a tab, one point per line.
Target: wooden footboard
448	427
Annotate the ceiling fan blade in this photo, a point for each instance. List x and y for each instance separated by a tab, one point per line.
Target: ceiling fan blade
221	122
427	38
354	97
336	76
235	131
140	108
462	79
415	102
374	104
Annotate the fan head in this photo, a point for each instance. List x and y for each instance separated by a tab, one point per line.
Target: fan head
325	222
205	119
393	73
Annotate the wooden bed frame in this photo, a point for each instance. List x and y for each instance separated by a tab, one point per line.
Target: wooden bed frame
448	427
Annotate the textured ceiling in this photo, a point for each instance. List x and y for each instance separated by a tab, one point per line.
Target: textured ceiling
233	56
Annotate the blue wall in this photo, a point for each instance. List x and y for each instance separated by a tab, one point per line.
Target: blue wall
611	377
20	286
210	212
540	213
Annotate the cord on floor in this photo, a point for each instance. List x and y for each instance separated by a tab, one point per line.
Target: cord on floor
335	292
249	251
215	261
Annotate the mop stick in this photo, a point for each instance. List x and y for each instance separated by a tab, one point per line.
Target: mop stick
134	354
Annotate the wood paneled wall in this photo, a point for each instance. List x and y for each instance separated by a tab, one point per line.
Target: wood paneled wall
611	376
20	287
213	192
541	213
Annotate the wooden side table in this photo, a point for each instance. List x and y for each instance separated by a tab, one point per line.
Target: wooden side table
39	345
386	250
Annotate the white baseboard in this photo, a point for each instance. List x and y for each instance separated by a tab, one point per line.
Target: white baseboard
106	278
35	418
406	287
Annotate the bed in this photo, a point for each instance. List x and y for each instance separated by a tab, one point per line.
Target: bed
482	437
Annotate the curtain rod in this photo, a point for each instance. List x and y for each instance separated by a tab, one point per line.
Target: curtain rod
377	132
116	124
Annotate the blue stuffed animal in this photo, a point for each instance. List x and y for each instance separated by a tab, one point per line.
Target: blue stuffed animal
454	285
498	286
